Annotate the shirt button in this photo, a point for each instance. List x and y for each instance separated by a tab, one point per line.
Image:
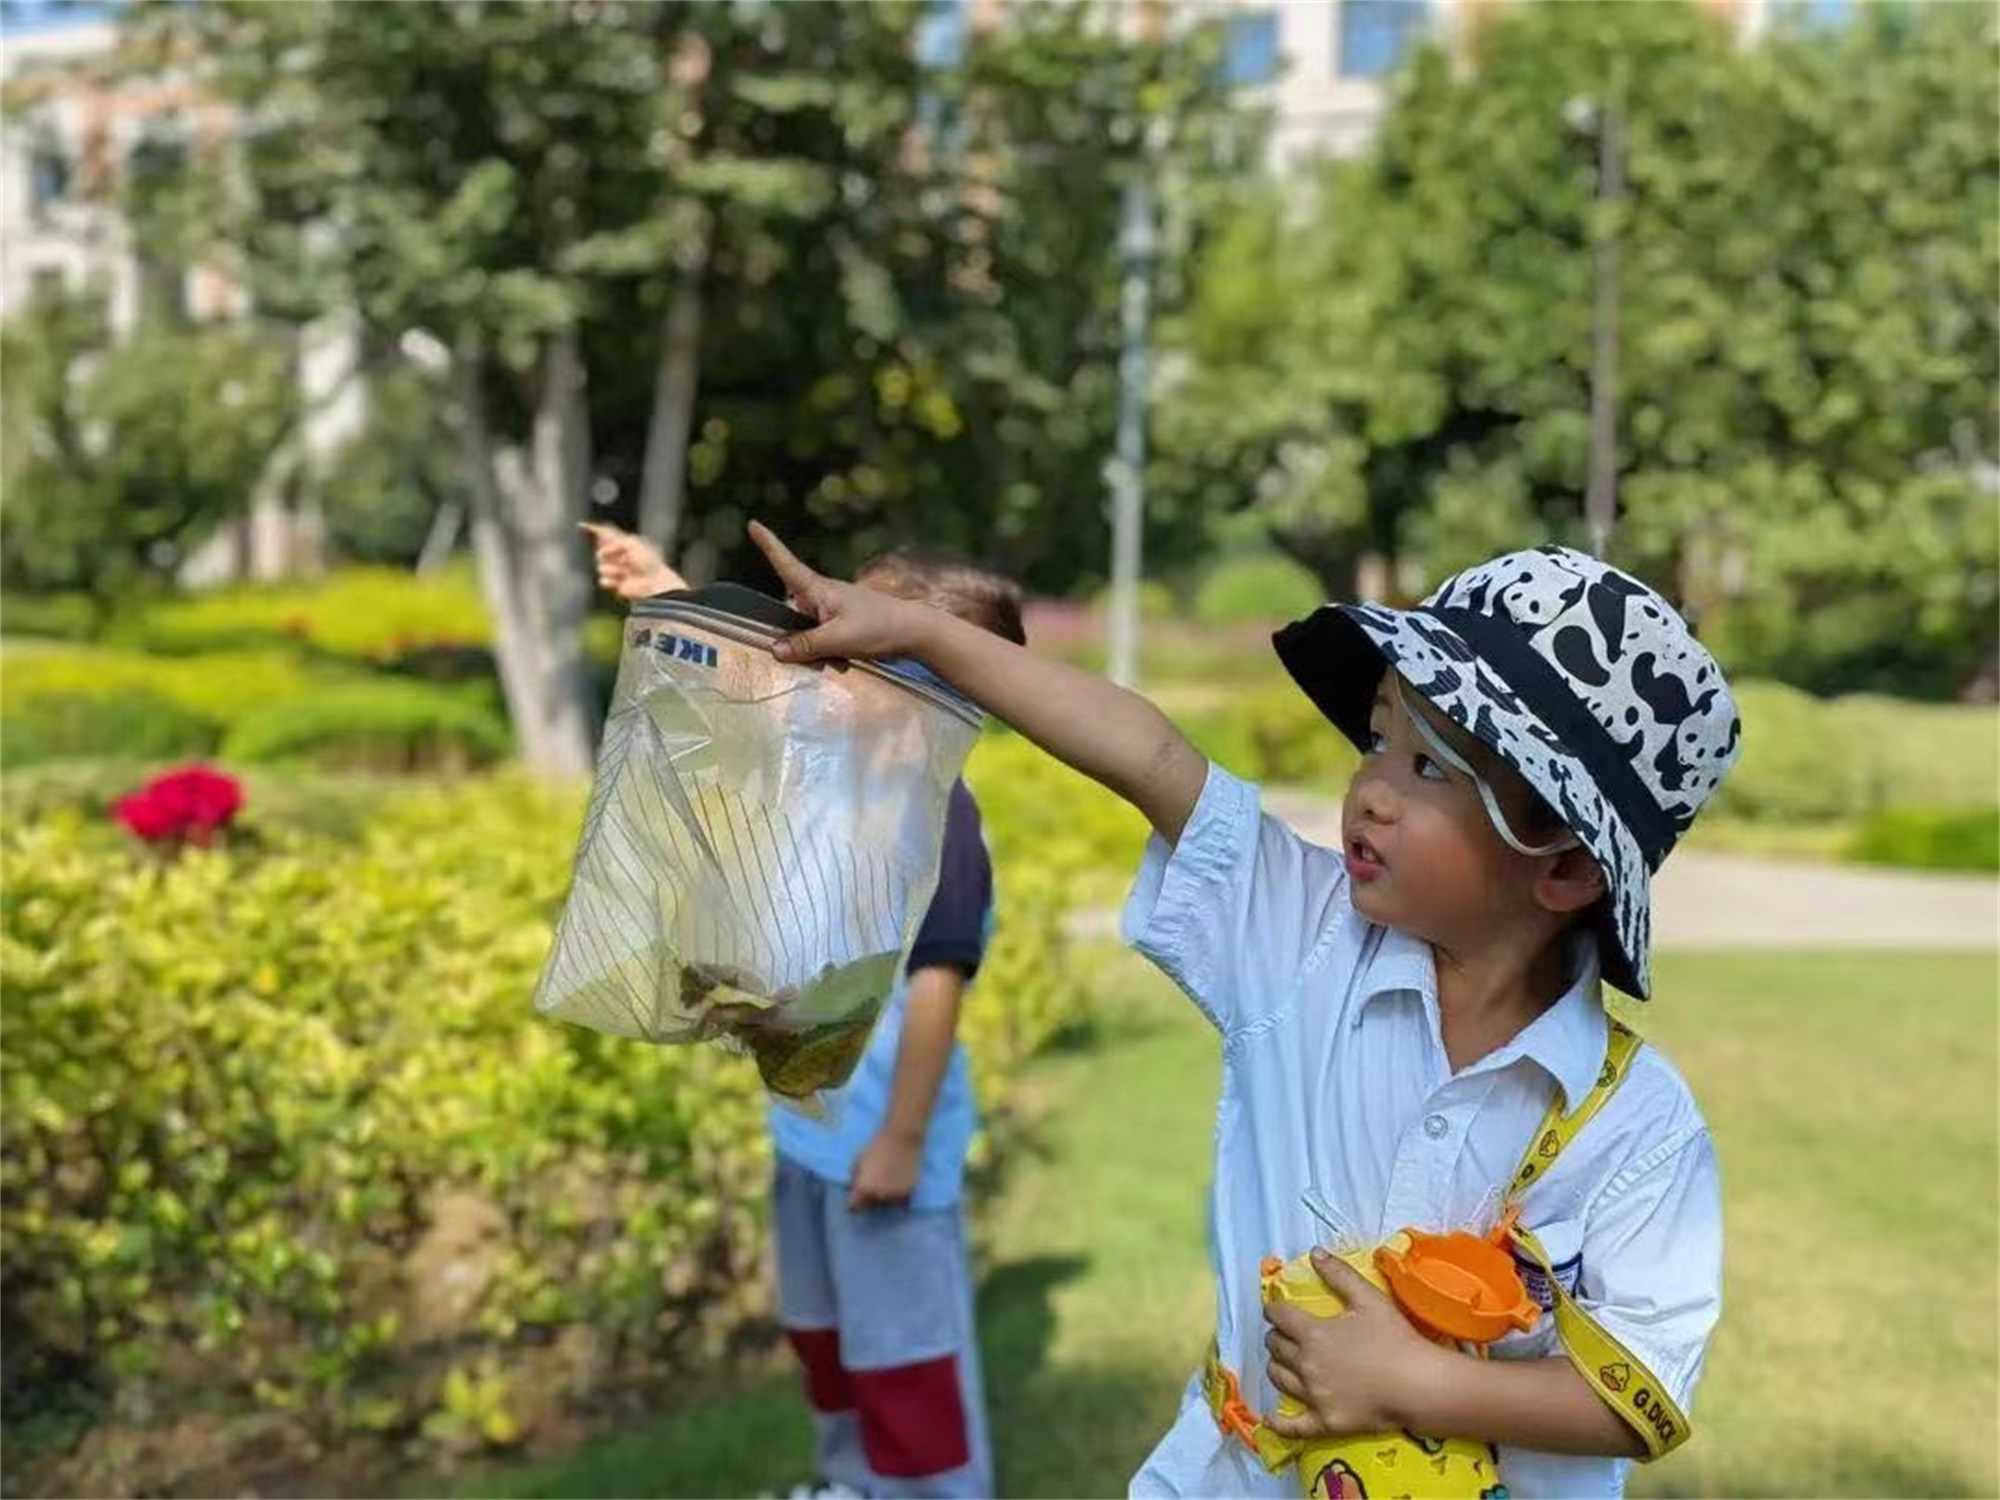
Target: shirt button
1436	1126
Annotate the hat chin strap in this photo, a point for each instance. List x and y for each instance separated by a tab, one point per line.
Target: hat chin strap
1459	763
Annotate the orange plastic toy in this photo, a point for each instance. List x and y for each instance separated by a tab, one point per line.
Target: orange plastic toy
1458	1286
1457	1289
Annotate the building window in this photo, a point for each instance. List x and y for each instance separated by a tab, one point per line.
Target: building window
941	34
1250	52
48	176
1375	35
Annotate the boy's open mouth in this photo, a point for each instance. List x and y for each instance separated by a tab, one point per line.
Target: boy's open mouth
1364	862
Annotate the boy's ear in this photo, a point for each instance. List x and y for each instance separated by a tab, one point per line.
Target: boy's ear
1571	882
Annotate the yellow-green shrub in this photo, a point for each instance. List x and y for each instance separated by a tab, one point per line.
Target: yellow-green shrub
233	1084
372	614
1929	838
237	1086
265	705
1809	759
1258	586
63	726
382	726
69	617
1274	735
218	688
378	616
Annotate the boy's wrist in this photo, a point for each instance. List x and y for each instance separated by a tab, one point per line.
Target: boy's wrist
921	625
1420	1385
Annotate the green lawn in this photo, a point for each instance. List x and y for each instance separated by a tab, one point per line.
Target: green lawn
1852	1098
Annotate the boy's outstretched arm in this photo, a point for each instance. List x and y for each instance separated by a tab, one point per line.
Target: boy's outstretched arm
1113	736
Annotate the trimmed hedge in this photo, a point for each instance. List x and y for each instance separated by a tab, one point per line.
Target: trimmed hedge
1274	735
47	727
368	614
98	703
1929	838
378	726
63	617
1809	759
432	625
1157	603
219	688
1258	588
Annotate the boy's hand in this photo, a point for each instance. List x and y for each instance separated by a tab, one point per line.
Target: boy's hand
630	566
885	1174
1349	1372
853	621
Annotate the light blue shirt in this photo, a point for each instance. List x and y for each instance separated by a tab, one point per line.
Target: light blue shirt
956	929
1335	1078
828	1148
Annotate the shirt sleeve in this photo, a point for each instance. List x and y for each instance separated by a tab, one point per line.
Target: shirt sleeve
1231	912
1652	1260
953	932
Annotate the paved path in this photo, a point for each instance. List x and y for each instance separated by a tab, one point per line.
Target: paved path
1705	900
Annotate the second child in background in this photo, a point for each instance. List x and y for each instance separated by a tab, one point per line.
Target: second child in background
874	1279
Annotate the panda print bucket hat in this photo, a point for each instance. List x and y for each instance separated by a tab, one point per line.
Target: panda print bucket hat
1579	677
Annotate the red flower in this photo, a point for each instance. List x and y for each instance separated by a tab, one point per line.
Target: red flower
187	805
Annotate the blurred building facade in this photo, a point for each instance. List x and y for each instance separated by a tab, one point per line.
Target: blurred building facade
1323	66
75	139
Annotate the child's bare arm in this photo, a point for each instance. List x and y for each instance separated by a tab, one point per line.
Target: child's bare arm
889	1166
1113	736
1530	1403
1369	1370
629	566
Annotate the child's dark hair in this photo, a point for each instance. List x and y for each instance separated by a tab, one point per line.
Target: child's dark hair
950	582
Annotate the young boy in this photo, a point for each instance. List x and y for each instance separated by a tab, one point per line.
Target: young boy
874	1284
1401	1018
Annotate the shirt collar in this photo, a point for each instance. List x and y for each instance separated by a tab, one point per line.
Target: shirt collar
1567	1041
1400	964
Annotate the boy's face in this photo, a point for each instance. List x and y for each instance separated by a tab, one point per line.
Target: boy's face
1421	854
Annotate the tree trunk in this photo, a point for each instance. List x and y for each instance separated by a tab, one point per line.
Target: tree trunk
269	531
663	480
442	537
553	548
541	673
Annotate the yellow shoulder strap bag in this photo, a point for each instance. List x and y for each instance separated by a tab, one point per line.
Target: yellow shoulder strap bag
1614	1372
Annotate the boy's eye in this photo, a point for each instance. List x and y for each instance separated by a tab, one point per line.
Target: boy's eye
1377	741
1430	770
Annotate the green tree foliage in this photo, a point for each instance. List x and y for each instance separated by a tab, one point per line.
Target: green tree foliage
924	344
118	457
383	490
859	294
1806	436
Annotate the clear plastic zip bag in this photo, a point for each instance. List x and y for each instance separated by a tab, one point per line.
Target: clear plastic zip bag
761	843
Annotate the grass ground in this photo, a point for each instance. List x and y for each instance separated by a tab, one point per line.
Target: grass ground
1852	1102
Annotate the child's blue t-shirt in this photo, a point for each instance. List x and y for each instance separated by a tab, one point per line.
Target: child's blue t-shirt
954	933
